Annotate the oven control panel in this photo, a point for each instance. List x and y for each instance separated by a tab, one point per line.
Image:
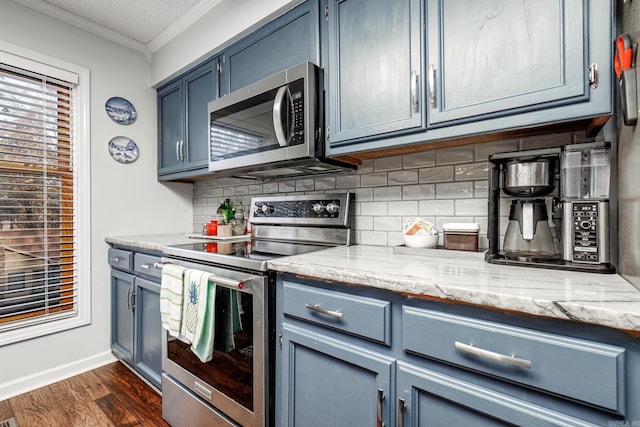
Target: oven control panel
329	209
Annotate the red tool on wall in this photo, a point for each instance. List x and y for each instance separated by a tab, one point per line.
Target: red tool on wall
624	64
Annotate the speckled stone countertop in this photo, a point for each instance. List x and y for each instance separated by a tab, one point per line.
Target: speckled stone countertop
151	242
602	299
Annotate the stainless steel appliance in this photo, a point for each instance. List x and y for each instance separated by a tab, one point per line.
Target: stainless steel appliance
273	128
559	206
236	386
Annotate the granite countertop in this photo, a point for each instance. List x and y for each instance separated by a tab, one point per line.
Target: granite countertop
602	299
152	242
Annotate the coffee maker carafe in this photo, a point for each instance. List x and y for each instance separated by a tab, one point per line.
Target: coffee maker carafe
558	208
529	237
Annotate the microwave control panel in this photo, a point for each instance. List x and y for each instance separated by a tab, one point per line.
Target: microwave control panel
297	112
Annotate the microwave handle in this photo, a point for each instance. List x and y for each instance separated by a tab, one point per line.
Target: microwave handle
282	138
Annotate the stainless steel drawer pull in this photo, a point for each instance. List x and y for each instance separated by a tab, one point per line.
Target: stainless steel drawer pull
400	412
316	308
145	266
116	259
502	358
379	422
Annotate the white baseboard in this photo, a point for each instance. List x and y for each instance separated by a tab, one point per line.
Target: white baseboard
50	376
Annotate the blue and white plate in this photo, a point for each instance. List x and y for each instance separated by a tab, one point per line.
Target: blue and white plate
123	149
120	110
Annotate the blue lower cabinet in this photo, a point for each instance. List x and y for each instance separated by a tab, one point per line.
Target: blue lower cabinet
428	398
148	344
442	364
136	328
122	289
331	383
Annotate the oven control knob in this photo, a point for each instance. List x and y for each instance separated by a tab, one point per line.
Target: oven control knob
266	209
318	208
333	207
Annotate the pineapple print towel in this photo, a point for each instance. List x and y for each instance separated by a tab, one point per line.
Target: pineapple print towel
171	298
198	315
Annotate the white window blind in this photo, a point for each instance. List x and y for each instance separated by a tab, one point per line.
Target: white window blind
38	181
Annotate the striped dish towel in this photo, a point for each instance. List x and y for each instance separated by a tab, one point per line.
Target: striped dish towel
171	297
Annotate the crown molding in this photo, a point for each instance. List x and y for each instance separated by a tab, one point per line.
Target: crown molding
75	20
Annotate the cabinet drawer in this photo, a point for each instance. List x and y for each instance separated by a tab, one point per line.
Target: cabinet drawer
120	258
588	371
145	264
365	317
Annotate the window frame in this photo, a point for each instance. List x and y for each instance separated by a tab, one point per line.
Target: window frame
63	70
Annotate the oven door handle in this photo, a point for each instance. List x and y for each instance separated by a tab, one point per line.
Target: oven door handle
237	284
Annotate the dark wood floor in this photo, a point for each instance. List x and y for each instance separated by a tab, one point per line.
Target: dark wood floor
108	396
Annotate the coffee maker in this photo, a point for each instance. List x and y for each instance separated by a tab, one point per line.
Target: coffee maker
558	201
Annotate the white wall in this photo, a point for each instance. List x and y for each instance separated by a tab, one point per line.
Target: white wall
224	23
126	199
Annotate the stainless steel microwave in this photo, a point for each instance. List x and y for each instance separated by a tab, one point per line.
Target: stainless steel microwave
272	129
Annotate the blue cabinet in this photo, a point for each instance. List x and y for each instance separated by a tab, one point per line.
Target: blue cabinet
374	69
486	67
136	328
286	41
183	145
491	58
442	364
122	294
327	382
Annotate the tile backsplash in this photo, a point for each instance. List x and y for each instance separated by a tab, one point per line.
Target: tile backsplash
443	185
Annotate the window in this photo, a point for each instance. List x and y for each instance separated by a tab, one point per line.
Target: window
41	219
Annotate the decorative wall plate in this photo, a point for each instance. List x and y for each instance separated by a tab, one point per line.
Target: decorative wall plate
120	110
123	149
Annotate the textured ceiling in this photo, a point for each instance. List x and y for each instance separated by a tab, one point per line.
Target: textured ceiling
139	21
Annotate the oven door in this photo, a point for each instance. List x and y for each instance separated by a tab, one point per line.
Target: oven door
234	381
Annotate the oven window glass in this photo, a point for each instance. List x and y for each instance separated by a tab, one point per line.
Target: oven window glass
230	371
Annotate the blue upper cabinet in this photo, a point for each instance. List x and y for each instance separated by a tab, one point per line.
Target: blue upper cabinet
286	41
492	58
375	73
183	122
490	67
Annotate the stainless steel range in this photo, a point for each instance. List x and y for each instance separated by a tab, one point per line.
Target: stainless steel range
236	387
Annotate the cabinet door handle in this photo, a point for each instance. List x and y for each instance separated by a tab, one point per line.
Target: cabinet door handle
432	85
178	150
502	358
129	298
415	105
400	412
182	153
379	422
317	309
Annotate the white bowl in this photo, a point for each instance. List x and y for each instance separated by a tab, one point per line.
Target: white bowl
417	241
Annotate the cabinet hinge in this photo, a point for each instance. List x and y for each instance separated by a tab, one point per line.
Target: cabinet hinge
593	75
326	11
280	339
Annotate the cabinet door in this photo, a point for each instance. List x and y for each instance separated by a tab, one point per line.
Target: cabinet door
330	383
170	127
200	87
286	41
122	296
374	68
148	344
427	398
490	58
